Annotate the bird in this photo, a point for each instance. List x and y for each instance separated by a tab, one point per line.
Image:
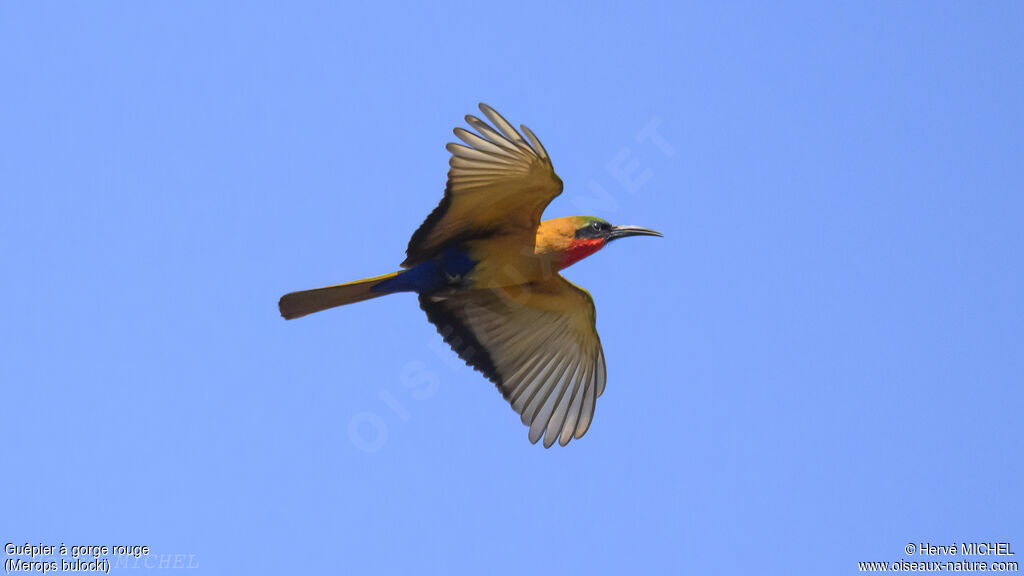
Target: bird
486	271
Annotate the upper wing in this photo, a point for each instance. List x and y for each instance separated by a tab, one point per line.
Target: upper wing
538	343
499	183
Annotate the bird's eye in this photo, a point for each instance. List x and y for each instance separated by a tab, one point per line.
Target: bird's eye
597	226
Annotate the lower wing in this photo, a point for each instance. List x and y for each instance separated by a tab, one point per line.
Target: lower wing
537	342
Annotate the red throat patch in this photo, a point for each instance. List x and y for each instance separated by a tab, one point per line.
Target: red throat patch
580	249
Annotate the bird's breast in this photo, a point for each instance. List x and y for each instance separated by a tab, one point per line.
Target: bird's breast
506	262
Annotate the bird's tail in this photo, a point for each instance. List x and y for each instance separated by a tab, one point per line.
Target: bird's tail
298	304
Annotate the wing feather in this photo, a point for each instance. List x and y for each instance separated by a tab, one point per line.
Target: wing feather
545	418
549	383
507	130
535	142
541	350
498	183
587	410
478	158
479	143
561	410
492	135
534	378
574	409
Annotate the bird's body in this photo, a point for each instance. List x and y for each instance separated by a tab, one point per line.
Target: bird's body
500	261
486	271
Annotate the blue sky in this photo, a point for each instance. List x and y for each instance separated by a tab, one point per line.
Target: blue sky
819	363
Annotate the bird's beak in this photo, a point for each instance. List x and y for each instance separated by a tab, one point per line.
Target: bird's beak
623	231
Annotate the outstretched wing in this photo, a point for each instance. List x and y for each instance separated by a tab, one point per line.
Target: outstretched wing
538	343
497	184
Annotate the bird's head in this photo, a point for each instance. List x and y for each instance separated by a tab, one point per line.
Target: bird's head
576	237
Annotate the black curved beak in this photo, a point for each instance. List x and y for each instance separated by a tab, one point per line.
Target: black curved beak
623	231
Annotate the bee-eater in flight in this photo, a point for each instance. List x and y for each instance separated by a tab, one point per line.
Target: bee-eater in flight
485	268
